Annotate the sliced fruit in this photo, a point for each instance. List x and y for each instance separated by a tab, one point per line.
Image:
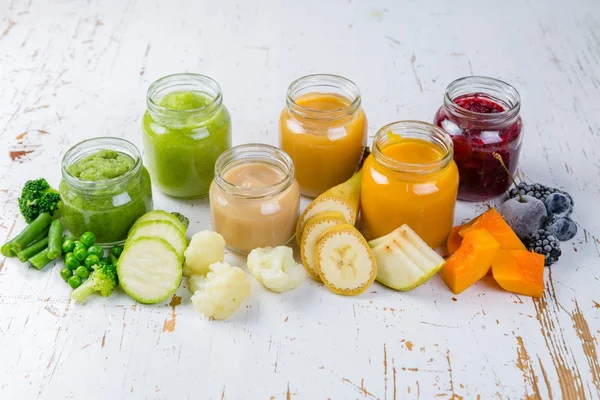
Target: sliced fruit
345	262
314	227
520	271
471	261
161	229
404	260
454	240
493	222
149	270
160	215
344	198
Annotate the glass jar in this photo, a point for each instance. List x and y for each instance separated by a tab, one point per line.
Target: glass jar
185	129
324	130
105	188
410	178
254	199
482	117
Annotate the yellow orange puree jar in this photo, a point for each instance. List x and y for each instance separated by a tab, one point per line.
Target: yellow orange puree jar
324	130
410	178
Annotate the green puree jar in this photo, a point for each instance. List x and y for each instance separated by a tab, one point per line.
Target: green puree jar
105	188
185	129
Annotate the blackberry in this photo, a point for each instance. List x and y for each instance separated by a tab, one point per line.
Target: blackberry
538	191
543	242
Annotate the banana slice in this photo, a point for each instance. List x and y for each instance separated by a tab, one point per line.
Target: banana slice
404	260
344	198
344	259
314	227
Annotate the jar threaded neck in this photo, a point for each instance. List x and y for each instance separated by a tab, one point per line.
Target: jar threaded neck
325	84
395	131
254	153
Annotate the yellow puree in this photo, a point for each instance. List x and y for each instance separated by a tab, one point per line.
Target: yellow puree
423	201
326	152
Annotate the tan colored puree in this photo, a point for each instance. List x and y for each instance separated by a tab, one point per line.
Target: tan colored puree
247	223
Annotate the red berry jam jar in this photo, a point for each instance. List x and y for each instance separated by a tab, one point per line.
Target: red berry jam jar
482	117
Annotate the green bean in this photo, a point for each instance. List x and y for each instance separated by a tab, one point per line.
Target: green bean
55	240
32	249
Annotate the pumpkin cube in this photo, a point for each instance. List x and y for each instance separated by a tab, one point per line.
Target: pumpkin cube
471	261
493	222
519	271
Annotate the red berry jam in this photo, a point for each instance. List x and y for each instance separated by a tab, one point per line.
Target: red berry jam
480	125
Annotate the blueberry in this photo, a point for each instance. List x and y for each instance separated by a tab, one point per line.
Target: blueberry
524	218
562	227
559	204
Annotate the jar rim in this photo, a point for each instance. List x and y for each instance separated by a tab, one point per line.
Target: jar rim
335	82
412	129
495	89
254	153
91	146
199	81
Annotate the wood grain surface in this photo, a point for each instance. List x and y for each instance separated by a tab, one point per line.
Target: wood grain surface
71	70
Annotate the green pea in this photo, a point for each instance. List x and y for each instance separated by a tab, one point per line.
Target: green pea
82	272
68	246
116	250
106	260
66	273
68	255
91	260
72	263
113	259
80	254
88	239
74	281
96	250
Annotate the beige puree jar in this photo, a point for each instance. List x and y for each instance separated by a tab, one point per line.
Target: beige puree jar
254	198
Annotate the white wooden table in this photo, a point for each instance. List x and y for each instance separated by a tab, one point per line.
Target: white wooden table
71	70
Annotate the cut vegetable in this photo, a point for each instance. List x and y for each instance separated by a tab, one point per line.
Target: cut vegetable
149	269
276	268
471	261
404	260
343	198
344	260
161	229
160	215
314	227
493	222
520	271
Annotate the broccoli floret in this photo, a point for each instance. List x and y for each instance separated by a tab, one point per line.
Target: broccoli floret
37	197
184	220
103	280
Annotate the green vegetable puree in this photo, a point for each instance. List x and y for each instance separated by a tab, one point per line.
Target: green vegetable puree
99	206
105	164
183	141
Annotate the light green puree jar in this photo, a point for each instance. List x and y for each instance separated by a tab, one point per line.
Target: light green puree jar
105	188
185	129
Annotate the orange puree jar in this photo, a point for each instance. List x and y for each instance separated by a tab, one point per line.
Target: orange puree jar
410	178
324	130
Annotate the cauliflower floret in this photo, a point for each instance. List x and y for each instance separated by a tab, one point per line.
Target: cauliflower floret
275	268
221	292
195	282
206	247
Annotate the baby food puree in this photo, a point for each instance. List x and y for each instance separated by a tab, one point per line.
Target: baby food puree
410	179
186	128
104	189
254	201
324	131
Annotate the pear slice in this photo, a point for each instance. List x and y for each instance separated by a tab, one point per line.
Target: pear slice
404	260
345	261
314	227
344	198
